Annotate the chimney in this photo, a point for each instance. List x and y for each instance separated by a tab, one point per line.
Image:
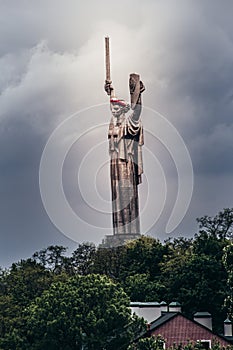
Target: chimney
163	306
174	306
204	318
227	328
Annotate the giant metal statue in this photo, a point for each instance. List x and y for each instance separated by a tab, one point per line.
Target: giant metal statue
125	147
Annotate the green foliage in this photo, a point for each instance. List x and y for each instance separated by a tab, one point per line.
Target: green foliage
152	343
24	281
141	288
54	301
18	287
88	312
51	258
209	245
157	343
143	256
109	261
136	266
221	225
198	282
83	258
228	263
199	346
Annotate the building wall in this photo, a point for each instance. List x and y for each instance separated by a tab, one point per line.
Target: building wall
181	330
148	313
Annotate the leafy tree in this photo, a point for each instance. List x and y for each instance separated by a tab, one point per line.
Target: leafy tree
228	263
109	261
83	258
86	312
9	316
221	225
19	285
24	281
199	346
209	245
52	258
180	245
152	343
140	256
143	256
198	282
139	287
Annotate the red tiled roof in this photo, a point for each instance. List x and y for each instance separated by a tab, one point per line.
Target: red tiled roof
178	329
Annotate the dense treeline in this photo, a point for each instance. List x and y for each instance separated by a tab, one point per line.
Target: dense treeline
56	301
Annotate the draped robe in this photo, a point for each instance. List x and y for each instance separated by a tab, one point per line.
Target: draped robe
126	168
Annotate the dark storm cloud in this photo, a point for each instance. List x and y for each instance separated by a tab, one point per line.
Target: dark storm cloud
192	69
51	62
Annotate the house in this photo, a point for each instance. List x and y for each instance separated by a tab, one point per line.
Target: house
177	329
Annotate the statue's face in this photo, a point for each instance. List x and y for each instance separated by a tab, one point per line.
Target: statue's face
116	110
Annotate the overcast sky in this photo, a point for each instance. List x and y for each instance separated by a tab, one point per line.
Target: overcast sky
52	67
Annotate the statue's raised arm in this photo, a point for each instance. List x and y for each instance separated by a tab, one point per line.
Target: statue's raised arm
136	87
108	83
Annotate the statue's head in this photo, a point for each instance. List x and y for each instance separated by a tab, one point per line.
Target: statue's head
118	107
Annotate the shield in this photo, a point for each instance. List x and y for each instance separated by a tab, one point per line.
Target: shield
134	88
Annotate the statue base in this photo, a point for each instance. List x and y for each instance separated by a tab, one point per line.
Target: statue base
112	241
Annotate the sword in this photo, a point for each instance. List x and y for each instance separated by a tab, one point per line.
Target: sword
107	59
